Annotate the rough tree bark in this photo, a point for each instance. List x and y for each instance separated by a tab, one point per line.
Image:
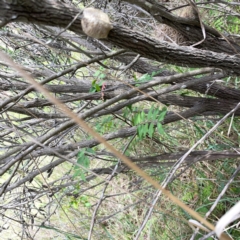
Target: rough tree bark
50	12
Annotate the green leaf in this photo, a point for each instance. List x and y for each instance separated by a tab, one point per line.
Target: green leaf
79	172
95	87
155	113
155	73
98	87
88	204
151	130
150	113
160	128
199	130
84	161
142	116
96	74
145	77
129	107
90	150
162	114
145	129
138	119
134	120
92	90
140	132
102	76
80	155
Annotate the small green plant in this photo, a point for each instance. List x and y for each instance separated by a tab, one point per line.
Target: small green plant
82	160
99	74
146	122
81	200
96	87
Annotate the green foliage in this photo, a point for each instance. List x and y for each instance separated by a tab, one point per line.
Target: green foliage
188	196
105	125
127	111
146	122
96	87
81	200
82	160
199	130
233	24
218	24
100	73
146	77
